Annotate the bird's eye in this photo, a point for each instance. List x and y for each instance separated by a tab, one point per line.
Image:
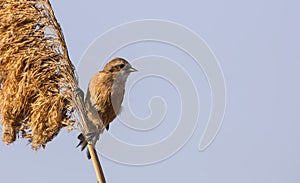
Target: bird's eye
122	65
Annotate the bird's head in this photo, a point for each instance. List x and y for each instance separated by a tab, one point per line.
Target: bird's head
119	66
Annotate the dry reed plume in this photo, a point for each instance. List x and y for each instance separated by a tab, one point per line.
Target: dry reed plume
36	75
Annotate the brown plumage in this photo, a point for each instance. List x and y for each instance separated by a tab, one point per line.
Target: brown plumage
105	95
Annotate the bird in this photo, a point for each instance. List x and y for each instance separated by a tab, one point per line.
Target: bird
104	98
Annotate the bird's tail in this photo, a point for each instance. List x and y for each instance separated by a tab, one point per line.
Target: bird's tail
83	143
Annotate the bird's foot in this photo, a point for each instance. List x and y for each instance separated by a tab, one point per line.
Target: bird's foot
92	137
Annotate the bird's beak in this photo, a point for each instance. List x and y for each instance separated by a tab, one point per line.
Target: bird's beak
131	69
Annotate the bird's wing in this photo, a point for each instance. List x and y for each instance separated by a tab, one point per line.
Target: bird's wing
96	98
100	90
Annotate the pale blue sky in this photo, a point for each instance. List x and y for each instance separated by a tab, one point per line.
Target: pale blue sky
257	45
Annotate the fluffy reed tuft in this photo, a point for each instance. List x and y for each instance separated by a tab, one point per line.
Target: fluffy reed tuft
36	75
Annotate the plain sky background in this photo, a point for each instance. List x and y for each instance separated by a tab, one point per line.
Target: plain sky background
257	45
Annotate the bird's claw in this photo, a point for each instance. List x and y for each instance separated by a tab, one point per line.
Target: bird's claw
91	136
